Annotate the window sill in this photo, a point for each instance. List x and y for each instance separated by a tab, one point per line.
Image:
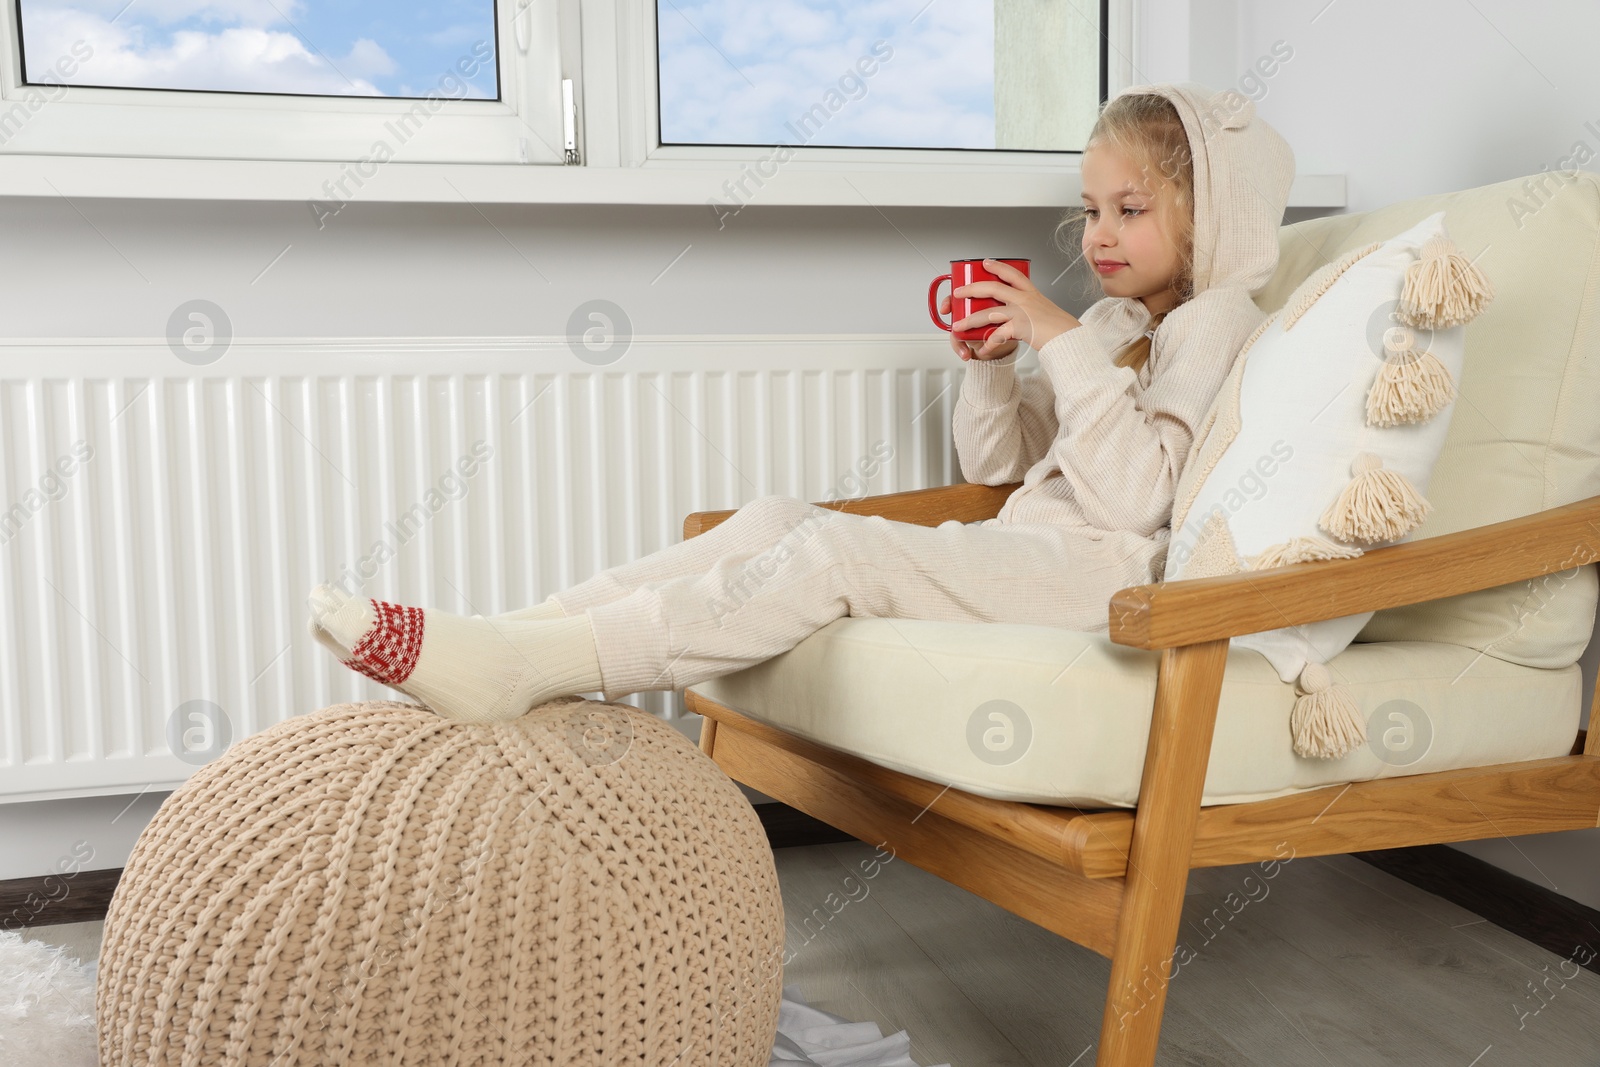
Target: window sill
910	185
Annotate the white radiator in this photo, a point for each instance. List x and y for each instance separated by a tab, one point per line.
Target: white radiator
163	522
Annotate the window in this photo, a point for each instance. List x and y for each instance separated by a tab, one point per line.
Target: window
355	48
362	81
983	74
655	101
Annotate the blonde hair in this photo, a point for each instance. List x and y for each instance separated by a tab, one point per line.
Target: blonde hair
1148	130
1137	353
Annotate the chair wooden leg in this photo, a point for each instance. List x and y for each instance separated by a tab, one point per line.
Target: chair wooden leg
1187	689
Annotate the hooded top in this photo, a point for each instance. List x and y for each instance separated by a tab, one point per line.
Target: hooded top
1102	447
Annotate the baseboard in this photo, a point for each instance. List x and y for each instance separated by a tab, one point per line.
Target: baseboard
790	827
1553	922
79	897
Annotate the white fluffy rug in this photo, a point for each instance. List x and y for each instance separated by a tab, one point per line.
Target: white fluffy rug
47	1019
46	1006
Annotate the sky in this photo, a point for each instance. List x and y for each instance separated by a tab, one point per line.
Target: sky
736	71
340	47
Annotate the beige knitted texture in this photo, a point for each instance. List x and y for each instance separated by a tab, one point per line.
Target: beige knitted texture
1214	552
374	884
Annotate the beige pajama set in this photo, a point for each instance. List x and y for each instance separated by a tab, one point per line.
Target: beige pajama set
1099	450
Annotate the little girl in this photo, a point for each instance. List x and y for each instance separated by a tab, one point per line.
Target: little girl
1184	191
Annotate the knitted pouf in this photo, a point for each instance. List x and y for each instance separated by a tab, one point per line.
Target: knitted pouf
375	884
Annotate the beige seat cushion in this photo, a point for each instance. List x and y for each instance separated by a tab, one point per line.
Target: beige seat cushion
903	693
1525	432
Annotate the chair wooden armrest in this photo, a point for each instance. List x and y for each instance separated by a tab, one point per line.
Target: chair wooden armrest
1194	611
964	502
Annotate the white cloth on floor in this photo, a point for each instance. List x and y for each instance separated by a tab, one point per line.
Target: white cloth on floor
808	1035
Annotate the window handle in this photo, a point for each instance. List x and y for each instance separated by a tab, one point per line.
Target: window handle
520	20
569	122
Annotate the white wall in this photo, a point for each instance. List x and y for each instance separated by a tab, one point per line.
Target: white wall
1405	99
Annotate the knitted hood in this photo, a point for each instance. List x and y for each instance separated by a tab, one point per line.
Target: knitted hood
1242	172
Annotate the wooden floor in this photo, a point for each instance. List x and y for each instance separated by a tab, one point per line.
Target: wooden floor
1330	961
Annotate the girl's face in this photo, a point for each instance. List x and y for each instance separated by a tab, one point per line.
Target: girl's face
1125	230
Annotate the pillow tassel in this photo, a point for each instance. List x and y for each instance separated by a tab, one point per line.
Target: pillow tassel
1443	287
1301	550
1378	504
1411	386
1326	722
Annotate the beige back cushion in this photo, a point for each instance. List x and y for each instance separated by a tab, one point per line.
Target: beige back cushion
1525	432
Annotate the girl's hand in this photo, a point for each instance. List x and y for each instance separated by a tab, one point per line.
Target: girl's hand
969	349
1025	314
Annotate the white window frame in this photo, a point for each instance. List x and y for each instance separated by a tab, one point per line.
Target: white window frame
524	126
621	111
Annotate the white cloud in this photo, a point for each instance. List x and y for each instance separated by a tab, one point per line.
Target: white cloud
239	58
937	89
366	57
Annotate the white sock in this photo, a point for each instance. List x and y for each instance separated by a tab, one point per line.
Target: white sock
474	669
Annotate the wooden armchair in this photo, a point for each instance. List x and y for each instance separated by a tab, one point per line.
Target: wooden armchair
1114	880
1104	820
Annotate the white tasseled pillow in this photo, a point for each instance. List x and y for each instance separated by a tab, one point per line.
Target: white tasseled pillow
1322	440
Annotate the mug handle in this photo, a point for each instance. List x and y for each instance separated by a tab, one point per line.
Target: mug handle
933	303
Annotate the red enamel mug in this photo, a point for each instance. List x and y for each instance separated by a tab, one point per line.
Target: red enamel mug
965	272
